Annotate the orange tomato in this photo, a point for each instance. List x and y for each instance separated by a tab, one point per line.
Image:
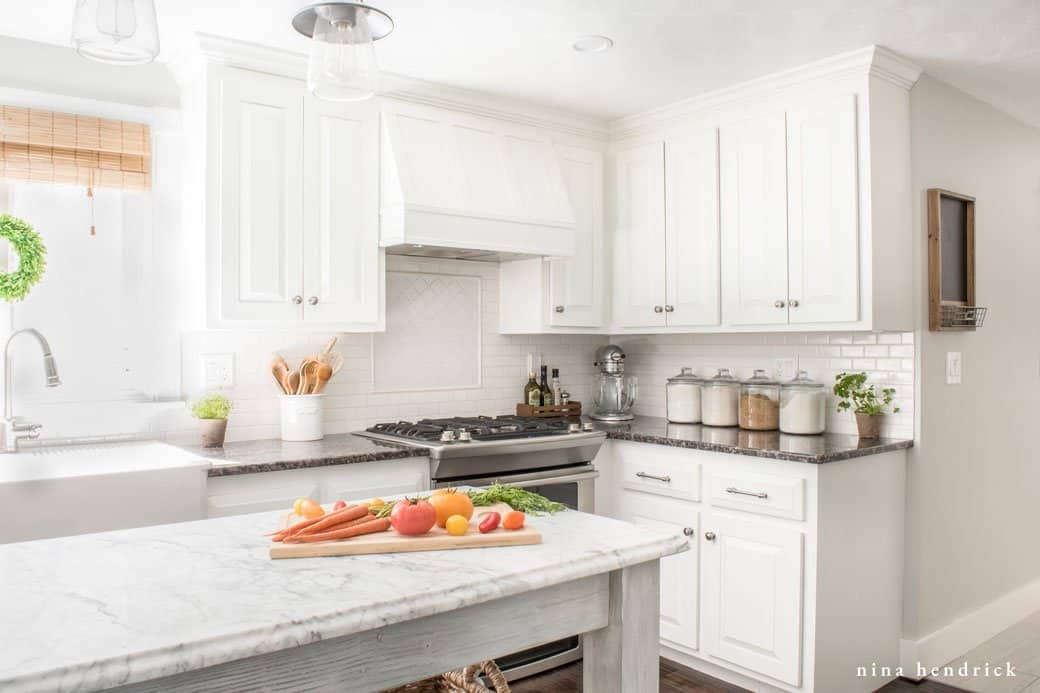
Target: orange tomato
310	509
456	525
514	519
451	503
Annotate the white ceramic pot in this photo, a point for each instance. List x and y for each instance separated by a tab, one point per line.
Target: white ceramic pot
302	417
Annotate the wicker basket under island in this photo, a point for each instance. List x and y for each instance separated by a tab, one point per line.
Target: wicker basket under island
460	681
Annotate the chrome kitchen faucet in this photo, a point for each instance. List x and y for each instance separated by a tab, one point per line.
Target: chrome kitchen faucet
14	429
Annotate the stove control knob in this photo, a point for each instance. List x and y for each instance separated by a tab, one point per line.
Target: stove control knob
574	428
464	436
448	436
588	426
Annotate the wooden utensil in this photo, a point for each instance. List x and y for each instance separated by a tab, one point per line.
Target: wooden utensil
336	361
280	371
293	383
308	377
323	373
323	356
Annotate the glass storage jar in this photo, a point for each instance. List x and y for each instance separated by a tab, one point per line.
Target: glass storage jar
760	403
803	406
683	397
719	397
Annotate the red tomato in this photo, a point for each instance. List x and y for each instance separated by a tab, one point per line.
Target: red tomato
413	516
489	522
339	505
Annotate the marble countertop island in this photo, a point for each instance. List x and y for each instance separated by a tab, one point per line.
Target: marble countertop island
95	611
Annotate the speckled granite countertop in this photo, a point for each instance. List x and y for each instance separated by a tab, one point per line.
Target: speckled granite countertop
248	457
829	447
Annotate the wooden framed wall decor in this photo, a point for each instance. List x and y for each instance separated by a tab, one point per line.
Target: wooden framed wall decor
951	262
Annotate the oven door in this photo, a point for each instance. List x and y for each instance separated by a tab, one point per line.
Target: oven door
572	486
575	488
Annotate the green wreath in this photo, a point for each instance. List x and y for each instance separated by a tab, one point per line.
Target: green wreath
31	255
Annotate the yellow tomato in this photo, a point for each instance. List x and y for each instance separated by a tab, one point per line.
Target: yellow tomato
298	505
457	525
310	509
376	502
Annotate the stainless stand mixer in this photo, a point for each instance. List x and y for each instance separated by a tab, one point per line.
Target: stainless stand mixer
614	393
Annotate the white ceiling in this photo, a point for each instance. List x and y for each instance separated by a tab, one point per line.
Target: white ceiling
665	50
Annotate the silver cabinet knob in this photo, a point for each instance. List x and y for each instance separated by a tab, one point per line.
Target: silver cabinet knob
710	536
688	531
658	309
297	300
669	309
779	304
558	309
793	303
313	300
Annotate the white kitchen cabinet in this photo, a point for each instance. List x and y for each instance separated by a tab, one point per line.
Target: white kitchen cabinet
250	493
679	573
753	579
754	220
294	199
823	211
640	252
667	241
563	294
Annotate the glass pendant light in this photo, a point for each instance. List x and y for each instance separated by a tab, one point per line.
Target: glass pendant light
342	63
123	32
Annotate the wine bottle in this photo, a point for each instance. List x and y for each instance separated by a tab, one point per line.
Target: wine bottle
532	392
554	385
546	393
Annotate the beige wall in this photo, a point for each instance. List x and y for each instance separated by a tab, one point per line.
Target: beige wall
973	514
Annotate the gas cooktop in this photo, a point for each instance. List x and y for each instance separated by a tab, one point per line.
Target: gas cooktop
478	428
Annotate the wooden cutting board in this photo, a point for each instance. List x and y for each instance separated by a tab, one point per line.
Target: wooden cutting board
436	539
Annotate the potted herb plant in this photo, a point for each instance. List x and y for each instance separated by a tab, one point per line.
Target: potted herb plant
212	412
854	393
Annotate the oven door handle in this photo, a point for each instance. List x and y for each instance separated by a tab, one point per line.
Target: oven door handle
533	479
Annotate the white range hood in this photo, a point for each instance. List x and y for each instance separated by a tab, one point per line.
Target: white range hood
460	185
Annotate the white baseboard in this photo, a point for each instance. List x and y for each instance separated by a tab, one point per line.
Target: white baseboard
969	630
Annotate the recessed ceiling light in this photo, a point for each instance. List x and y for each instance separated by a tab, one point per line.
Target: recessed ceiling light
593	44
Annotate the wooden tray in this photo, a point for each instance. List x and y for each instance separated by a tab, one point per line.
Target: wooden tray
436	539
554	411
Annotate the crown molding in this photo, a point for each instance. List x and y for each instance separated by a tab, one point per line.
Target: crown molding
232	52
872	60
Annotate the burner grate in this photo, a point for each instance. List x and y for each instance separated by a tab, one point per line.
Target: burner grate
479	427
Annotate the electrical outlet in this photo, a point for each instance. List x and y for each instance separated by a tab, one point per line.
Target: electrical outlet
953	368
784	369
218	370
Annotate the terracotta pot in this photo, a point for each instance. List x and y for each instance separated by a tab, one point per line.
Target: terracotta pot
213	431
869	425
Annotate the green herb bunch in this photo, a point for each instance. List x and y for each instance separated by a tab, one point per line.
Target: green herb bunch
855	394
516	498
211	406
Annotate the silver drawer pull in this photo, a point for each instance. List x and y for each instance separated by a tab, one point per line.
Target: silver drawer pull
644	475
754	494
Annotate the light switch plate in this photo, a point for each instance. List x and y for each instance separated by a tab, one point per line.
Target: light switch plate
953	368
784	369
218	370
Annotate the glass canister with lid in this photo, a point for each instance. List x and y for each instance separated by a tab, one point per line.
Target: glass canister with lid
803	406
760	403
683	397
719	398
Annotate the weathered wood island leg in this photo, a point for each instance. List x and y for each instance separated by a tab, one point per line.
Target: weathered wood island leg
623	657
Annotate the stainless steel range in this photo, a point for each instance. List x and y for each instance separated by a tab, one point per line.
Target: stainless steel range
552	457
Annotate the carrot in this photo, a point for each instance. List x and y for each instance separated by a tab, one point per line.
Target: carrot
377	525
336	522
303	524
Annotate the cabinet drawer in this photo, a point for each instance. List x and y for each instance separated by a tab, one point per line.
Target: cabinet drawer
659	472
763	494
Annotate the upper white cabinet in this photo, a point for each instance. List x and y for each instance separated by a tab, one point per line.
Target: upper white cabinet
754	221
294	198
563	294
458	180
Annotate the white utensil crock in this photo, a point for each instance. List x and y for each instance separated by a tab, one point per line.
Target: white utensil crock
302	417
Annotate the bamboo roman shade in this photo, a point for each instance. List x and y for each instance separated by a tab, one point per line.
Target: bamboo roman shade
43	146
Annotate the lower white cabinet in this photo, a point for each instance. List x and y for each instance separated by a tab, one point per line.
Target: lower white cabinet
753	578
252	493
679	578
793	574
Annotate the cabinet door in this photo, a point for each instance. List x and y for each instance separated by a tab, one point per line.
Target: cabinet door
342	259
679	578
261	210
692	222
576	283
752	606
754	221
823	194
639	247
254	493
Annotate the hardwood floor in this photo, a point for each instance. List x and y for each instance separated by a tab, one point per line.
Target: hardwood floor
676	678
